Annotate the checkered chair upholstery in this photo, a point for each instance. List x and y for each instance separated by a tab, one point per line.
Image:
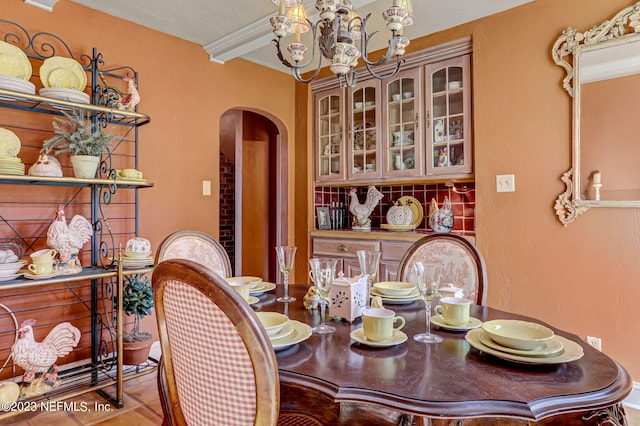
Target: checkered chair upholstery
196	246
463	263
219	366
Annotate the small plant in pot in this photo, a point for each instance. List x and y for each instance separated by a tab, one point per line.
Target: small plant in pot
137	300
77	136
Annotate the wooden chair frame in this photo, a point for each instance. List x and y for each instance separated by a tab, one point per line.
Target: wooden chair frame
467	246
180	236
245	321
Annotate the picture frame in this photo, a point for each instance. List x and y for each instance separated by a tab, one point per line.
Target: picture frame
324	220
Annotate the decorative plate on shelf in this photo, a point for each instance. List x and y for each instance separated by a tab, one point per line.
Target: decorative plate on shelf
66	73
9	143
415	206
14	62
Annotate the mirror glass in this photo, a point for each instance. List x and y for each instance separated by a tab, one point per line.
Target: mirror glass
603	76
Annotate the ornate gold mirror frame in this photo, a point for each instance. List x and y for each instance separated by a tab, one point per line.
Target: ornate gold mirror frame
616	38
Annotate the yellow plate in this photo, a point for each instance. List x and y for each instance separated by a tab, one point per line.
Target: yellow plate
9	143
59	71
14	62
400	228
416	208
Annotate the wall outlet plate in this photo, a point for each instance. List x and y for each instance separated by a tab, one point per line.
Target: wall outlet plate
505	183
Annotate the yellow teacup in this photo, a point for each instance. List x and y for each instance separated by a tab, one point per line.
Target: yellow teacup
454	310
41	268
129	173
378	324
43	256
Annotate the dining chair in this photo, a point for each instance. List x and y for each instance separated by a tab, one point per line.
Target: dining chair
198	247
463	263
218	363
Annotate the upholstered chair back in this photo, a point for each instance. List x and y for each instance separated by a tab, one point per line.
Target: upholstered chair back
463	264
218	364
198	247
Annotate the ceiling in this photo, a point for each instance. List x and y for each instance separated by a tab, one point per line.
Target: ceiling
241	28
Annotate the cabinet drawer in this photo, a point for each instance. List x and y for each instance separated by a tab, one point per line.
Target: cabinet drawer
394	250
342	248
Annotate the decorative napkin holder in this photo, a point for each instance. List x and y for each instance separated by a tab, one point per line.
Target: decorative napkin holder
348	296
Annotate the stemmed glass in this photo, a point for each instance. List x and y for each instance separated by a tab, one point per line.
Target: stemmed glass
427	281
322	271
285	260
369	261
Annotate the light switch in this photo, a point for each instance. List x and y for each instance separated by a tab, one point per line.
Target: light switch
206	187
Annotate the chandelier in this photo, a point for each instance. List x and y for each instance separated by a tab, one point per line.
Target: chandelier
341	36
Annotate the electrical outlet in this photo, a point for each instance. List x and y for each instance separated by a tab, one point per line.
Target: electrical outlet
505	183
596	342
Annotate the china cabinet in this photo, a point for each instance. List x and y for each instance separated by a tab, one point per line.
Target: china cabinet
330	153
89	299
448	120
414	125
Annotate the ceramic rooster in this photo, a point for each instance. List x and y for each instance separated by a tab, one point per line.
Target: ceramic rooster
361	212
46	166
128	101
38	359
68	240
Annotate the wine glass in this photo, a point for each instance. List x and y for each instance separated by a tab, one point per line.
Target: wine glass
369	261
427	281
322	271
285	260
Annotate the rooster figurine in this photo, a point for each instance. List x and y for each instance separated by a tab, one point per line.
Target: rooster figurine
68	240
361	212
38	358
129	100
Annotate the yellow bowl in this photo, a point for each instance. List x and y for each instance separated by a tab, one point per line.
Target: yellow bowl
273	322
517	334
254	281
394	288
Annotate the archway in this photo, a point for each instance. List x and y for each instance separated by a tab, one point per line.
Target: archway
253	190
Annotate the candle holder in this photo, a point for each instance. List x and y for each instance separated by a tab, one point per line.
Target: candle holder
596	187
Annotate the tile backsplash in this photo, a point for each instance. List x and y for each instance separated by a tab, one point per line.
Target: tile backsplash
462	197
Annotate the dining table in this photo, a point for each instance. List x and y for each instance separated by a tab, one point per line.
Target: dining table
339	381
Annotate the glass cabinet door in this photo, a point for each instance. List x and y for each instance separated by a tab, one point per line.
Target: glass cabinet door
449	117
363	143
330	159
402	130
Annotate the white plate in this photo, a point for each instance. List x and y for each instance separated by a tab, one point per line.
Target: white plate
9	143
262	288
301	332
70	95
14	62
397	338
253	300
17	85
414	295
572	351
549	348
473	323
285	332
30	276
10	277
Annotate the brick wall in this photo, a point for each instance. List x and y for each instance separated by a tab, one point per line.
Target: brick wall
227	207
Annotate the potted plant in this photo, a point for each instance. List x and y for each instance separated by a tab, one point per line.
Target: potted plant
76	135
137	300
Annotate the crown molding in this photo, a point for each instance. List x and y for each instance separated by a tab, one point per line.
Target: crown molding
42	4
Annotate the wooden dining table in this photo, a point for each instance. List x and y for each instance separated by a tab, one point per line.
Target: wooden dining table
341	382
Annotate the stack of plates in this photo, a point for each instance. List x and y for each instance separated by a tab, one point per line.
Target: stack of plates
17	85
131	259
396	300
10	146
14	62
71	95
292	333
11	166
261	288
556	350
9	271
61	72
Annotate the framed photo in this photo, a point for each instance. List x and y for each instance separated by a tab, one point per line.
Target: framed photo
324	220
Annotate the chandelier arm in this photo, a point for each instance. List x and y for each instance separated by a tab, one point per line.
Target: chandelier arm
296	73
393	73
298	67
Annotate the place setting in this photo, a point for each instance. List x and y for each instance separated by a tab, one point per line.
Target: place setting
395	292
282	331
452	313
244	285
523	342
378	329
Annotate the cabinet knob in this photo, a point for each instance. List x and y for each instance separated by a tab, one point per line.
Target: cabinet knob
428	119
342	248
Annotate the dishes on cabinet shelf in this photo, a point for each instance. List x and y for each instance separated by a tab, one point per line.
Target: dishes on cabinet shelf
31	276
453	85
14	62
402	137
61	72
416	208
71	95
12	268
9	143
